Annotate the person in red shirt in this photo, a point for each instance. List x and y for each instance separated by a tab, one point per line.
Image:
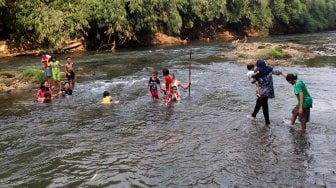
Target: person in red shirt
167	80
168	83
47	69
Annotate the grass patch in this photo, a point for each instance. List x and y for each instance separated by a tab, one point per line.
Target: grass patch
273	53
33	74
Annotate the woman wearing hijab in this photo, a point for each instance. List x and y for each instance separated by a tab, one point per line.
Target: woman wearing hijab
264	89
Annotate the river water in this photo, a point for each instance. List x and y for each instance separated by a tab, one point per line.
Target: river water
204	141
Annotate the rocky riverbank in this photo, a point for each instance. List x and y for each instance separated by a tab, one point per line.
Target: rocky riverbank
249	52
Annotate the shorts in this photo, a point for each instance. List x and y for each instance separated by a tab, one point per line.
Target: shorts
304	117
71	75
57	76
155	94
48	72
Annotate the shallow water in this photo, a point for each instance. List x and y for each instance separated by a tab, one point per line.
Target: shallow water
204	141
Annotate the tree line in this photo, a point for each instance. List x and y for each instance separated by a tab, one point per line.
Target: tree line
49	23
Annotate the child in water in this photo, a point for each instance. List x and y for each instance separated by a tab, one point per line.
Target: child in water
44	93
153	84
107	98
167	99
66	90
175	94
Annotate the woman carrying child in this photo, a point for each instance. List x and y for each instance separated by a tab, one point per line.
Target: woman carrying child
264	89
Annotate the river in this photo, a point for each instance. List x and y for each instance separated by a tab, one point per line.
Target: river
203	141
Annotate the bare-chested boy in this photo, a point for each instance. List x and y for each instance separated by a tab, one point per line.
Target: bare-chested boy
69	71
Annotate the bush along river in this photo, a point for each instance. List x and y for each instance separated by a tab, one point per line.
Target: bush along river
203	141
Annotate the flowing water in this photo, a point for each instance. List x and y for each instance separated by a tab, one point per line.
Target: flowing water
203	141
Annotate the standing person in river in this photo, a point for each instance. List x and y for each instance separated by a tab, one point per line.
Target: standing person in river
69	71
56	72
153	85
168	86
305	101
264	89
47	69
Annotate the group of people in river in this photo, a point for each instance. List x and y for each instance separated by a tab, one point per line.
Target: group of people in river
261	76
52	72
171	90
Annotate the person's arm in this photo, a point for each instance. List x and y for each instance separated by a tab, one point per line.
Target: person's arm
66	69
301	96
179	83
159	83
257	90
255	73
283	74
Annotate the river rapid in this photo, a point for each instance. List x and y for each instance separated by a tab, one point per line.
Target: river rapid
203	141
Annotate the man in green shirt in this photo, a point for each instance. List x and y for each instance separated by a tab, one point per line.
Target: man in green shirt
302	109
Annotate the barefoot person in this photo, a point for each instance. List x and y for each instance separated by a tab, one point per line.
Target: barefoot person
264	89
69	71
305	101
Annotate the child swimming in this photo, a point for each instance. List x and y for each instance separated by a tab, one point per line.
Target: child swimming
107	98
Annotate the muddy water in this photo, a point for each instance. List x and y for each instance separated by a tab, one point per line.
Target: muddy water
204	141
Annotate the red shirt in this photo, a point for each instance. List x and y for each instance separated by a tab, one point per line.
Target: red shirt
45	60
168	80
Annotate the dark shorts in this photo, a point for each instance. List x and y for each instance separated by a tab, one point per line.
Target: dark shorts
71	75
304	117
48	72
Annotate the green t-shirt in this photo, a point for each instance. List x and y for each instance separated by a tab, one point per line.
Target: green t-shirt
300	87
56	66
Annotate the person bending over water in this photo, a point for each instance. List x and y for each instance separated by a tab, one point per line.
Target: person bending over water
305	101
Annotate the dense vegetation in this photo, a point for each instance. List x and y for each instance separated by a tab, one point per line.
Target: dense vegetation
49	23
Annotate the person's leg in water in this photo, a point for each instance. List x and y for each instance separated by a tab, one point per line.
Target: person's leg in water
264	104
256	109
295	113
